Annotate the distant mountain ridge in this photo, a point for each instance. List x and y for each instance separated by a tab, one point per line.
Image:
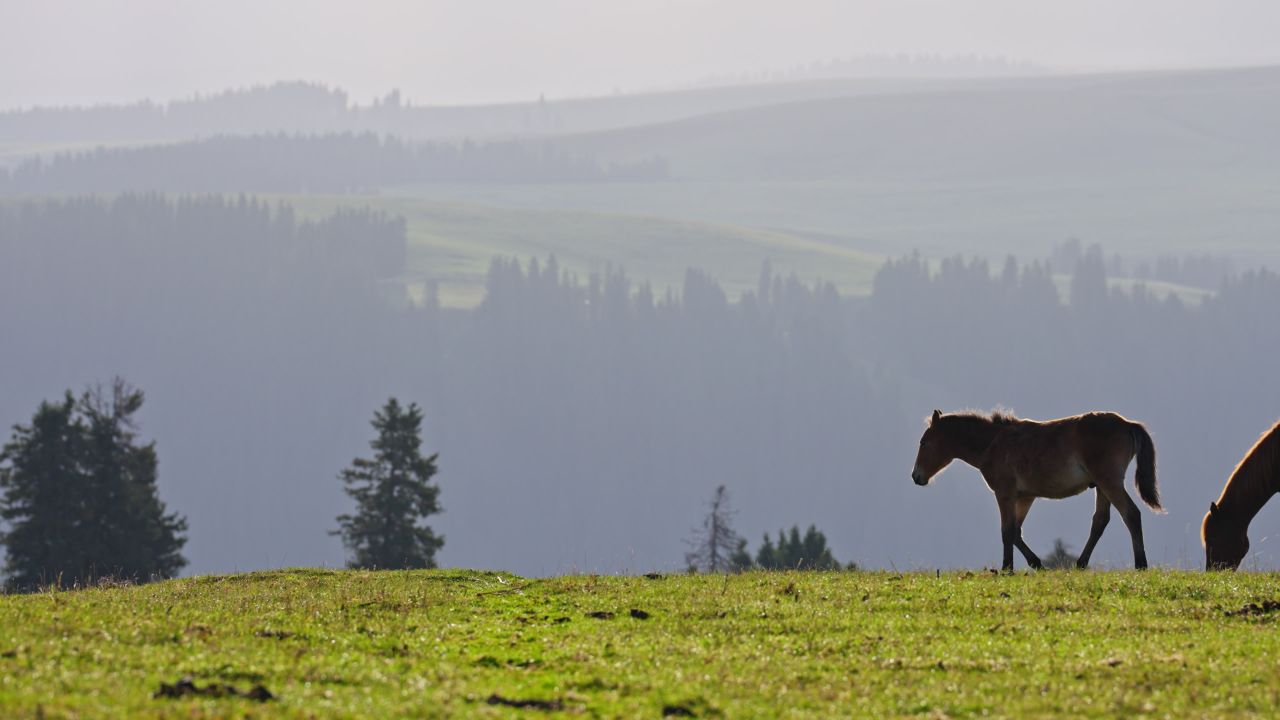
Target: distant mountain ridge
314	108
308	107
1148	124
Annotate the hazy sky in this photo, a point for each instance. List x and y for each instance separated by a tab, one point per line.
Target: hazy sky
456	51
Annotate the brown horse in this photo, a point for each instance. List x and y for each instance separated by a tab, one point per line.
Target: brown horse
1022	460
1253	482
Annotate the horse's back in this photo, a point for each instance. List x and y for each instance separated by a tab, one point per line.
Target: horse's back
1063	457
1103	421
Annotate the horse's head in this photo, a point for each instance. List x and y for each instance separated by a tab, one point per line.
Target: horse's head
1226	541
936	451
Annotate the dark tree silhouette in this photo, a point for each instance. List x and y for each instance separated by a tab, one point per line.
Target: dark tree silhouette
393	491
716	547
793	552
80	496
1061	558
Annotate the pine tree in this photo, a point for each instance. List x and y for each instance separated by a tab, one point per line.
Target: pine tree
740	560
80	498
40	471
393	491
1061	558
715	547
136	532
794	552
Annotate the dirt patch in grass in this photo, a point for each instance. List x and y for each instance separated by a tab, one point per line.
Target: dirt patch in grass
526	704
1266	607
186	687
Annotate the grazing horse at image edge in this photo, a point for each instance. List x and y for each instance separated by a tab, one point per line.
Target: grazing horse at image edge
1225	532
1022	460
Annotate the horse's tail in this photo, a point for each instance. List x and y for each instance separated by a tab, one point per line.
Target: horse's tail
1145	477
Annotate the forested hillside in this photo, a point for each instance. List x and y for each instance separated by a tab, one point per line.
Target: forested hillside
339	163
566	408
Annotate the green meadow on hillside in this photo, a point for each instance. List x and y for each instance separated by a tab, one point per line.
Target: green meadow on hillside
453	244
938	218
327	643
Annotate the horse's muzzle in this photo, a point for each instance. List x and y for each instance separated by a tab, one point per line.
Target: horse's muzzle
918	478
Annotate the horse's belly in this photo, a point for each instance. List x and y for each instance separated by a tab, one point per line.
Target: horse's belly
1062	483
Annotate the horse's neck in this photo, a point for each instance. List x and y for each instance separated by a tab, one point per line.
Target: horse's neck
973	441
1244	496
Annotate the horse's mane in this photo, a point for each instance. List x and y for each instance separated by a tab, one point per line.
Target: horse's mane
998	416
1255	475
1257	469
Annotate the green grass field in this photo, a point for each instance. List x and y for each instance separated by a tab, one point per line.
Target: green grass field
453	243
459	643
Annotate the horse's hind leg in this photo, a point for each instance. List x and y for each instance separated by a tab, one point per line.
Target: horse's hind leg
1101	516
1021	508
1131	515
1008	530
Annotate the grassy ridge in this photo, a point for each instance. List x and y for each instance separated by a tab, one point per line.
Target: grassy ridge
450	643
453	243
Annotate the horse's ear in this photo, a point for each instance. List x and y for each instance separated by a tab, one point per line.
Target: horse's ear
936	414
1213	508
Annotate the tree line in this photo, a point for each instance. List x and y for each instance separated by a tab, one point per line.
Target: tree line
1203	270
332	163
282	107
291	106
716	547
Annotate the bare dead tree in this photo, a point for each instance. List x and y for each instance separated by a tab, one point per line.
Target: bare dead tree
715	547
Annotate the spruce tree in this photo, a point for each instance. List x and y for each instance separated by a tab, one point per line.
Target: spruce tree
79	496
794	552
135	531
1061	558
393	491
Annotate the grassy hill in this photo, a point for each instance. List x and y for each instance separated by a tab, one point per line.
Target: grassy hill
457	643
453	243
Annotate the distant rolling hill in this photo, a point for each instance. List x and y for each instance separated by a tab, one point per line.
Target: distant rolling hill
1144	163
1106	127
293	107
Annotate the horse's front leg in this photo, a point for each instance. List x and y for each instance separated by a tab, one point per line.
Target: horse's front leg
1021	508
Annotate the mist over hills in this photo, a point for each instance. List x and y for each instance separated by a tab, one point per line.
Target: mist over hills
1144	162
305	107
1137	127
584	405
582	420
